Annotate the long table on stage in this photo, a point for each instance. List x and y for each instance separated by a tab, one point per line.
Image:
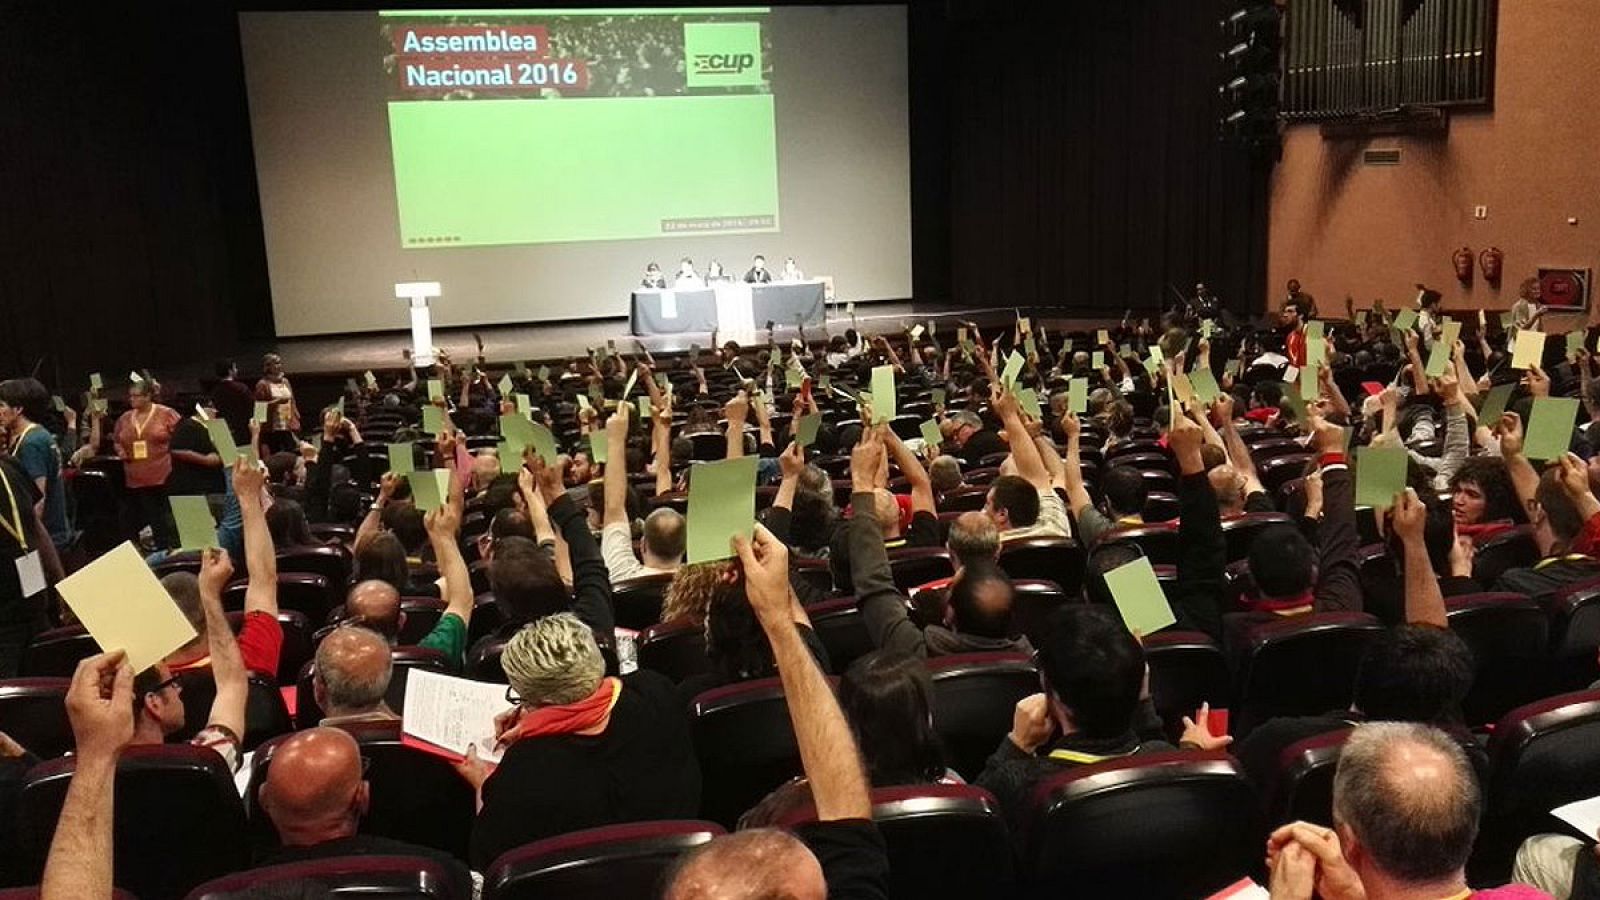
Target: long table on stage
731	307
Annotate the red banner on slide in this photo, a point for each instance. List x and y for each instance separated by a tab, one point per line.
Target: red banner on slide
471	40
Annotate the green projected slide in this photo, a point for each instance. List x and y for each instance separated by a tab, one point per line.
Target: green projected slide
530	126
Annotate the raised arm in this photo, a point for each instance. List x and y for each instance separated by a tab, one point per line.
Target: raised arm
828	751
1338	577
1424	601
444	527
1203	552
372	522
736	411
1523	476
1077	492
616	479
1030	466
911	468
261	595
591	581
227	665
100	708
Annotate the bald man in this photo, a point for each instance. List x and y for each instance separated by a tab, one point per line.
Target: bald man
315	796
1406	807
773	863
352	676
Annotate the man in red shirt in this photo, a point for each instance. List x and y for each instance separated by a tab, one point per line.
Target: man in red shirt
1294	341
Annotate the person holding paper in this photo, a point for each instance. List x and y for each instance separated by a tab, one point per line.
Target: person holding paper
1528	312
233	400
978	617
1292	574
1093	709
143	438
1564	513
1406	810
158	691
653	279
1122	486
663	542
841	856
687	279
196	464
22	606
791	271
315	796
283	417
1025	504
583	749
260	639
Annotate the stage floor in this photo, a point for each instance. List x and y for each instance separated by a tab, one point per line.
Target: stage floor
503	344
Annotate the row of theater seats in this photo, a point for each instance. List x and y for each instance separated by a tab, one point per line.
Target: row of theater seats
1160	825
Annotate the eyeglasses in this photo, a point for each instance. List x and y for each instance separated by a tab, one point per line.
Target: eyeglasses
174	682
511	696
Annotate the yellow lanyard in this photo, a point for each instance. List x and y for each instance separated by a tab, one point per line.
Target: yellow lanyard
138	426
14	526
1077	756
18	442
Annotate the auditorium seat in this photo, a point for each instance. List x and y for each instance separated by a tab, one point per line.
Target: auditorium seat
842	630
1541	756
1276	472
608	863
410	877
33	713
912	566
1514	548
1054	559
334	532
1299	666
708	447
974	698
675	649
1383	591
1135	446
265	715
746	746
944	841
331	562
964	499
416	796
1164	825
1187	668
302	592
1266	448
96	500
636	602
1160	506
1034	601
1302	787
1159	542
1152	461
187	562
56	653
177	821
1509	636
674	500
1575	634
1239	532
306	711
814	572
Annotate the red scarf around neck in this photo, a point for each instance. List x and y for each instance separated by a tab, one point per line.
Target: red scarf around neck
571	718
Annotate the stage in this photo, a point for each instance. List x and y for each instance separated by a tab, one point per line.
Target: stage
504	344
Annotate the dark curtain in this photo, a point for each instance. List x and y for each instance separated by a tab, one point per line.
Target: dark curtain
1074	154
130	232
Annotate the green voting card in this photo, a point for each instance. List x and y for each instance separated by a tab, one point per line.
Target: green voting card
1550	425
1097	360
260	414
401	459
1078	395
1206	328
435	389
643	401
1405	319
1314	331
1380	474
627	388
1574	344
510	458
222	439
1205	386
883	393
793	377
1494	404
931	435
1028	402
197	530
722	504
1309	388
524	404
1029	347
1137	592
505	385
938	396
1013	368
805	432
598	446
544	373
96	383
430	489
432	420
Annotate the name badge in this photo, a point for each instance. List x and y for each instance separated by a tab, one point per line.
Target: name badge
30	574
141	450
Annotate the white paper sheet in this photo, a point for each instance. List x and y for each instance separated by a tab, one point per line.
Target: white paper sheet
669	305
1583	815
451	714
